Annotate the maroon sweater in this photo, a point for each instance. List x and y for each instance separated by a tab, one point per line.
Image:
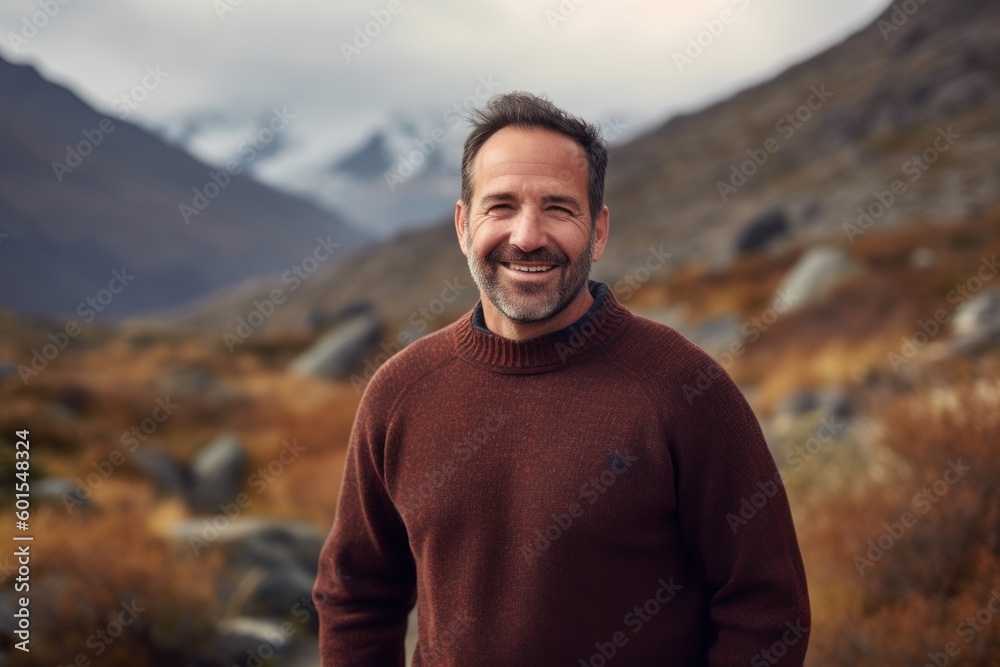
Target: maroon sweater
597	495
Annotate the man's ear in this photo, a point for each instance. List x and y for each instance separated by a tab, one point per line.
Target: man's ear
601	228
460	226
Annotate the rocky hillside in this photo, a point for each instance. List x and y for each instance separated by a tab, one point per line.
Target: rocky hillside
826	135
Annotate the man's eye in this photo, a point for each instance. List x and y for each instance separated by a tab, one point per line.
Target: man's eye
561	209
500	206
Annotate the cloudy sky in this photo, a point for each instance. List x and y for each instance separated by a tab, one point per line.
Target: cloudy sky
225	64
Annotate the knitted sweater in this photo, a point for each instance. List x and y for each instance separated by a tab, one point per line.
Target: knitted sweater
597	495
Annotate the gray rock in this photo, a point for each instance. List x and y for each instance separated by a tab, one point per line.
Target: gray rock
8	624
278	590
60	491
245	640
321	319
800	402
217	473
923	258
832	402
816	272
280	556
761	232
672	316
188	381
714	335
166	473
976	325
280	543
340	351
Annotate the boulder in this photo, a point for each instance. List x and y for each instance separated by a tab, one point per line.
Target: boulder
671	316
8	624
244	640
816	272
341	350
217	474
762	231
714	335
281	557
976	325
321	319
800	402
7	371
187	382
60	491
832	402
923	258
162	469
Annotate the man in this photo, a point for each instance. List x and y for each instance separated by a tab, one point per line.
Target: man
541	477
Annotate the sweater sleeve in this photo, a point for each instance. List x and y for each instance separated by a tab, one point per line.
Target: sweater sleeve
366	580
736	521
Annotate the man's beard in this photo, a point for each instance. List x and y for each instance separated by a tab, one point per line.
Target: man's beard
529	302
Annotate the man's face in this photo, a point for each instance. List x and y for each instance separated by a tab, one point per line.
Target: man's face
528	235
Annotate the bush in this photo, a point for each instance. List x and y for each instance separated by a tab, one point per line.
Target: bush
105	588
920	552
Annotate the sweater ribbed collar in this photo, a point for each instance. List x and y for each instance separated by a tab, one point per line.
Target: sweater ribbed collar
602	322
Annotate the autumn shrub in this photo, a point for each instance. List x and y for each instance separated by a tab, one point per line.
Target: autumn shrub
917	558
106	591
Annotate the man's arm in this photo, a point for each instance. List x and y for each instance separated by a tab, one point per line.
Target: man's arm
366	583
735	519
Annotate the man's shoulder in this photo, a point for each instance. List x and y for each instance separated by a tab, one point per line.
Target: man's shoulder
687	382
420	357
661	347
667	361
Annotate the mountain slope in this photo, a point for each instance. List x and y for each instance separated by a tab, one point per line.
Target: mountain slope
888	89
115	200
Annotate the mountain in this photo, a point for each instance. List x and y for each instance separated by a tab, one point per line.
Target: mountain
404	173
880	102
83	195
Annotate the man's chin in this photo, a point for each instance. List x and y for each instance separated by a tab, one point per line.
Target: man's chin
523	301
525	308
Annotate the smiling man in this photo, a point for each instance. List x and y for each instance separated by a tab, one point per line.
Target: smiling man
535	477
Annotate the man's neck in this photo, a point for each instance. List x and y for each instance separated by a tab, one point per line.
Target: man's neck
501	325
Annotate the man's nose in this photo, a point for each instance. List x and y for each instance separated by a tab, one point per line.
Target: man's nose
528	230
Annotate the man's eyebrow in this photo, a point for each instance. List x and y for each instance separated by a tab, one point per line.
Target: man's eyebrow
561	199
547	199
496	197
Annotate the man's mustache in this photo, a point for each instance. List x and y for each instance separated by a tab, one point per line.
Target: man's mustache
509	255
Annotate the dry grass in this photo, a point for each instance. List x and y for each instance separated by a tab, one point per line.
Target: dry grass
912	599
90	573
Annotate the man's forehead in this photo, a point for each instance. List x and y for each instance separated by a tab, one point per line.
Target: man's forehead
517	152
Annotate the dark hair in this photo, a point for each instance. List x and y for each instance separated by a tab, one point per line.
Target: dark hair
521	109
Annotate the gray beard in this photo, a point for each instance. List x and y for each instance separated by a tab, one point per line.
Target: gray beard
523	304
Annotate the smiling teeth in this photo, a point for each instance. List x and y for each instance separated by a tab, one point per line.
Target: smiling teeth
529	269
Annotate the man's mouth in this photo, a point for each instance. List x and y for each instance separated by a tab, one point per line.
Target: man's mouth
529	268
